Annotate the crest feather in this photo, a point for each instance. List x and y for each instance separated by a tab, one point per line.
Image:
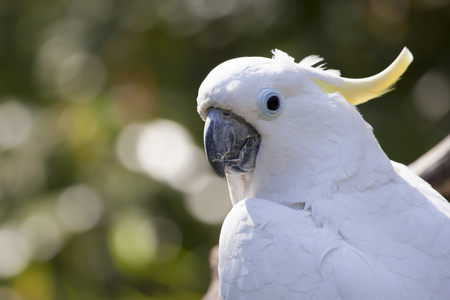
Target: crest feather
358	91
308	61
312	60
281	56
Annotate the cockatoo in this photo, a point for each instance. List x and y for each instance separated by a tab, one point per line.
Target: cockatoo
319	210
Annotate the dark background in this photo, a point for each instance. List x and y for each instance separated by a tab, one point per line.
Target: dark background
105	192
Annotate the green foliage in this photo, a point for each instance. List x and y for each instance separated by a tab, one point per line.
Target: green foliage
95	198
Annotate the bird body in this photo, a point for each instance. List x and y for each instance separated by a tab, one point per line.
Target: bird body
320	212
397	250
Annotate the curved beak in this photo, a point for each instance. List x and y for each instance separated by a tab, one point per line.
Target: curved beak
231	144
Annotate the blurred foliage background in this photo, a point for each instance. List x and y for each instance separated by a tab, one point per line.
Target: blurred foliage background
105	192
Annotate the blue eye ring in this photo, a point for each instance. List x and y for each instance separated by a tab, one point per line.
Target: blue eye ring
270	103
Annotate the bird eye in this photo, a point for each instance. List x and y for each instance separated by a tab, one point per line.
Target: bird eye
270	103
273	103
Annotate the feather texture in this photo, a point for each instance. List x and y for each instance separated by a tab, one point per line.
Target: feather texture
324	214
259	241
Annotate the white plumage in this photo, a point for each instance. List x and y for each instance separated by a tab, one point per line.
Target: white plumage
322	213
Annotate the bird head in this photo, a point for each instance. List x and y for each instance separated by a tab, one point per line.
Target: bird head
274	123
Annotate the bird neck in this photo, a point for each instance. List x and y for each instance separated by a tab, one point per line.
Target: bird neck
315	172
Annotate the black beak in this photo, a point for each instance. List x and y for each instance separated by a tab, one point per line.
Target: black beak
231	143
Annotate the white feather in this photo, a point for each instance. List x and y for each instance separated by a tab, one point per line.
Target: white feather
370	229
269	251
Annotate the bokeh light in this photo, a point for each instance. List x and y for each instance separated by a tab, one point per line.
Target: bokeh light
8	294
105	190
14	252
79	208
133	239
15	123
432	95
165	151
209	201
44	236
80	77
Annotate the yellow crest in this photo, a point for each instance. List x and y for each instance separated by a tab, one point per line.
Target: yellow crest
358	91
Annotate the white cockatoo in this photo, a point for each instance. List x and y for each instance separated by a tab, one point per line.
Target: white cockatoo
319	210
